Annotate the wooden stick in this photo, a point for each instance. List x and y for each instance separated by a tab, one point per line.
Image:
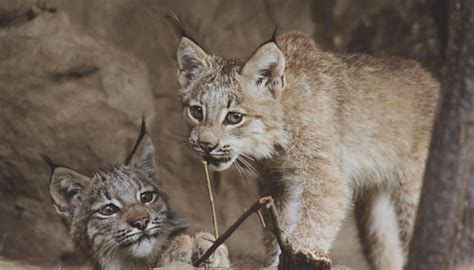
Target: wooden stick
211	200
276	228
219	241
293	255
261	219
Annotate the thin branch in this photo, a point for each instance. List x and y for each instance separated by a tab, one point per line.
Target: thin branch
260	217
211	200
264	201
293	256
276	228
262	221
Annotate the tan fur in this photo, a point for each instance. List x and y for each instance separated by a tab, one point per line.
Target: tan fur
139	233
330	128
186	248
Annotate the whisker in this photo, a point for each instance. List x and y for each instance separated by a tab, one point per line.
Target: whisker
247	156
251	169
110	249
247	171
105	250
241	172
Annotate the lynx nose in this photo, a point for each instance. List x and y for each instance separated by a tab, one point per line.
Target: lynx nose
207	146
140	223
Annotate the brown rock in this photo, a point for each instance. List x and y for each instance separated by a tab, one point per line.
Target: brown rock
71	96
14	11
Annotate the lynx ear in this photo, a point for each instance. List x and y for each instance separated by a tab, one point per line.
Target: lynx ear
66	187
142	156
266	68
192	62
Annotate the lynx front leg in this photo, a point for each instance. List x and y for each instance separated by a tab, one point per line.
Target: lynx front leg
287	200
312	209
324	205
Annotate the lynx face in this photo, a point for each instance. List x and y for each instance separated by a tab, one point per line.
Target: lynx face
117	213
233	108
125	211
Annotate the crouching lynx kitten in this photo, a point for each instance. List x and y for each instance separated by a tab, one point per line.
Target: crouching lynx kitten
335	130
120	217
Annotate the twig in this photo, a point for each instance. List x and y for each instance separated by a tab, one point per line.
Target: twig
276	228
261	219
219	241
211	200
293	255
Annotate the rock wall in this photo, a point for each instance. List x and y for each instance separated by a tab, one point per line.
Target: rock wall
75	80
68	95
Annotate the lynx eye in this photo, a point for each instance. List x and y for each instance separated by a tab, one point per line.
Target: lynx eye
109	210
233	118
147	197
196	112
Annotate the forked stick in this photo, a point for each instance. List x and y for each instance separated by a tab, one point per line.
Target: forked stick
264	201
293	256
211	200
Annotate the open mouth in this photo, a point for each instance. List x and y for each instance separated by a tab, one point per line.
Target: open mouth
216	161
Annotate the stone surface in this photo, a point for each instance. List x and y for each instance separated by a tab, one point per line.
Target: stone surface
72	97
15	11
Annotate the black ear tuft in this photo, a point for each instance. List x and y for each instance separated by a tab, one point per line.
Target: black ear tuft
274	34
139	139
50	163
271	40
178	26
143	126
173	18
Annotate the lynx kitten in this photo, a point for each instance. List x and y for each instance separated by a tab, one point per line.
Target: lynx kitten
120	217
334	130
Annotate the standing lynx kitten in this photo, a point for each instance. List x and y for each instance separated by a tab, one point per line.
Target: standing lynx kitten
334	130
121	218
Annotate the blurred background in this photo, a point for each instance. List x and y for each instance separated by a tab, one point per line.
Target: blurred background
76	76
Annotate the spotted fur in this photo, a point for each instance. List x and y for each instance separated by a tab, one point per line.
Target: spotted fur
120	217
328	127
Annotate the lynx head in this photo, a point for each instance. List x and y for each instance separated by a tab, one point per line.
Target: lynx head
232	107
120	213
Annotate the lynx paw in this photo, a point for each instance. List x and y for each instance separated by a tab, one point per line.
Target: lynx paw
322	260
301	258
202	242
180	250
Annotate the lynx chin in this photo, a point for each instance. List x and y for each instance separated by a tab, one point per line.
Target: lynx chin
334	131
120	217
